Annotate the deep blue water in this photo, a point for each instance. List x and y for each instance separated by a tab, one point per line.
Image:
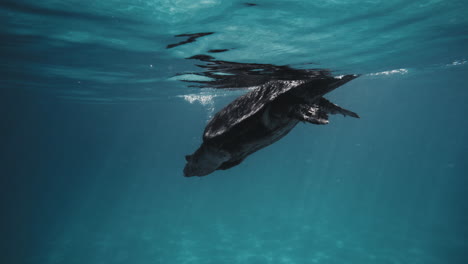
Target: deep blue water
95	128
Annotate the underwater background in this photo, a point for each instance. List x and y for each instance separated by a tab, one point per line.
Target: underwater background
96	123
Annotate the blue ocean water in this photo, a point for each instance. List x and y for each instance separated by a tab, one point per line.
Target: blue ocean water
96	123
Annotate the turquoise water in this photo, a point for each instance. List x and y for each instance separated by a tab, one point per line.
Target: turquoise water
96	125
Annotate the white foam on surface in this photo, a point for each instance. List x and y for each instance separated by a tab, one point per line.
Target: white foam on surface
206	97
197	98
457	63
390	72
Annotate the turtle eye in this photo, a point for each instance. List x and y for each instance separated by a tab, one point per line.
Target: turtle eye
188	157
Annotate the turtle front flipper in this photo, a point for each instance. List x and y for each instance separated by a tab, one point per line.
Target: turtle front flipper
310	113
334	109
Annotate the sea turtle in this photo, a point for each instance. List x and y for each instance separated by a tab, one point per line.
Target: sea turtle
261	117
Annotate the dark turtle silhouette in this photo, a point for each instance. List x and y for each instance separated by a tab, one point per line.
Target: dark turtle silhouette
262	117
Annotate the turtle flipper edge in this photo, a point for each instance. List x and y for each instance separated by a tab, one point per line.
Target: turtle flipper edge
230	164
334	109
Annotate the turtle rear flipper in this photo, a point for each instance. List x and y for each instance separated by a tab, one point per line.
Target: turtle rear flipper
318	113
334	109
312	114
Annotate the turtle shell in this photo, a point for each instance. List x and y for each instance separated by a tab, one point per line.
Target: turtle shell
246	106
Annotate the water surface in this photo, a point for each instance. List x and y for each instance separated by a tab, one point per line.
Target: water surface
96	123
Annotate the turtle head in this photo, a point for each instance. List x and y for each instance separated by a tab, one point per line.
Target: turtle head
204	161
